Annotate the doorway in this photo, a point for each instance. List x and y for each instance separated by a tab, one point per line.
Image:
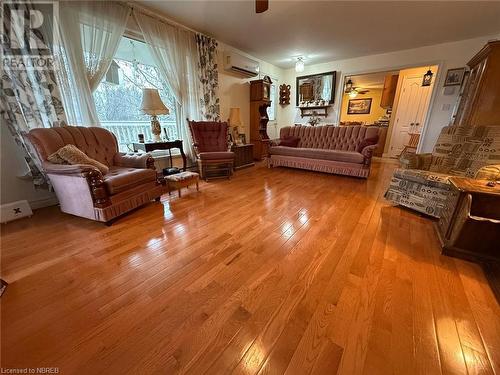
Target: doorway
411	105
395	101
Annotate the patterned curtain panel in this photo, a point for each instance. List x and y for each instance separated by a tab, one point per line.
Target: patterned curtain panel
30	97
209	77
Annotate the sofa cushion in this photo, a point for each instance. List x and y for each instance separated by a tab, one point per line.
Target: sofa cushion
71	154
315	153
289	141
120	179
216	155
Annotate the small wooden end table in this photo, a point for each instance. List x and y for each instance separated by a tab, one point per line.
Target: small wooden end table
163	145
469	226
243	155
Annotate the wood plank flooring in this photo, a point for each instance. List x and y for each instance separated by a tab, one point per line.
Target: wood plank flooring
276	271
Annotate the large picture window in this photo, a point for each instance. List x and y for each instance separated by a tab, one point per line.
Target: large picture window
118	97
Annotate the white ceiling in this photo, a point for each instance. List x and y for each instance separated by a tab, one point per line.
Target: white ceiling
371	80
332	30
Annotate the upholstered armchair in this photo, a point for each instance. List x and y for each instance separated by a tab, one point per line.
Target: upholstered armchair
422	181
212	150
85	191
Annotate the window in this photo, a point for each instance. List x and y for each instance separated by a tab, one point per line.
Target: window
273	94
118	97
271	110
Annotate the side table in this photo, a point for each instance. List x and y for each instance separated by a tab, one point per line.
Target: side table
469	226
163	145
243	156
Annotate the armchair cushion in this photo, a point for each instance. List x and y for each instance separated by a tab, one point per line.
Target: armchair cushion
219	155
134	160
416	161
426	178
120	179
71	154
209	136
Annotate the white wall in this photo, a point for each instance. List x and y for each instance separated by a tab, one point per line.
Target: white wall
13	166
234	90
447	55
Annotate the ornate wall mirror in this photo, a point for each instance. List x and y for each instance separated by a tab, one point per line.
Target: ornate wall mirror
316	88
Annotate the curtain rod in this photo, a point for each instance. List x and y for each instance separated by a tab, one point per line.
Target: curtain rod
133	5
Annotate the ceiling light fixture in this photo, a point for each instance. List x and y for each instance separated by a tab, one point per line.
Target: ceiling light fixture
353	93
299	65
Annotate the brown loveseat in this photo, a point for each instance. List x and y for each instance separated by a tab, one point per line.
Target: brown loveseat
83	190
331	149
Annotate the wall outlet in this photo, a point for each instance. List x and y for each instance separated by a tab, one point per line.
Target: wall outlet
14	211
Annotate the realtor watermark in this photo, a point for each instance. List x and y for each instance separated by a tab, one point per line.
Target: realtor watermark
29	370
27	31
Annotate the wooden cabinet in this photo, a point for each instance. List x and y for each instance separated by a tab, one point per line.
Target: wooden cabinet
382	136
471	212
480	100
389	90
243	156
259	102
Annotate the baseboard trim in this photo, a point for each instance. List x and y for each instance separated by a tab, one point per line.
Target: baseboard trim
41	203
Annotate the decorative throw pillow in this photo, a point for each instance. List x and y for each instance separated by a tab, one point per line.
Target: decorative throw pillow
73	155
56	159
367	142
289	141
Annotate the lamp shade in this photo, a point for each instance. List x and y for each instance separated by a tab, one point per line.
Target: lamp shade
152	104
234	117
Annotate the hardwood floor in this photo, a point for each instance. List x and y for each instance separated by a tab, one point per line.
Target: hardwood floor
276	271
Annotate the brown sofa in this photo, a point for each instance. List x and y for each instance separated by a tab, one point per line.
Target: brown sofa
330	149
83	190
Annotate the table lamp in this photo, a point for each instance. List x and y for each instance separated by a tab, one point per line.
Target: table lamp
235	123
153	106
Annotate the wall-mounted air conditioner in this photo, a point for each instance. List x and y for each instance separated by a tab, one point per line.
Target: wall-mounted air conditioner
242	65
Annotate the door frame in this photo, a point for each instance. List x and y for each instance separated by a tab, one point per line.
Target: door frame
439	63
393	120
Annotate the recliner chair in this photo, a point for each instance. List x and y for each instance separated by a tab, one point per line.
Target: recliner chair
212	150
83	190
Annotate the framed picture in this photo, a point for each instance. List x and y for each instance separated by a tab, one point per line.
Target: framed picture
243	139
454	77
359	106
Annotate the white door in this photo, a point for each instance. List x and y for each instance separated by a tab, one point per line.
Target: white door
410	113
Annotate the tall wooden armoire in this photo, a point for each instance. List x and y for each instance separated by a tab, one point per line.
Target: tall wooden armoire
480	101
260	100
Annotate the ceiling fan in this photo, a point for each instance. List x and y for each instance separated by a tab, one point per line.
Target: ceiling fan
261	6
361	90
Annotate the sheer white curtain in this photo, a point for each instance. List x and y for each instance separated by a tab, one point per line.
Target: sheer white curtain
175	53
90	32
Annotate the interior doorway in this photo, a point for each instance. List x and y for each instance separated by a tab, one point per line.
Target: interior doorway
410	109
395	101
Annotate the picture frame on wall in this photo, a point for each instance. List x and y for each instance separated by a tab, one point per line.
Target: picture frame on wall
454	77
359	106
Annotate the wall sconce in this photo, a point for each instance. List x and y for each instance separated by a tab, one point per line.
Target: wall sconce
353	93
348	86
299	65
427	78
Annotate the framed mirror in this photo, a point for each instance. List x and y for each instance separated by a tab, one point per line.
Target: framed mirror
316	88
